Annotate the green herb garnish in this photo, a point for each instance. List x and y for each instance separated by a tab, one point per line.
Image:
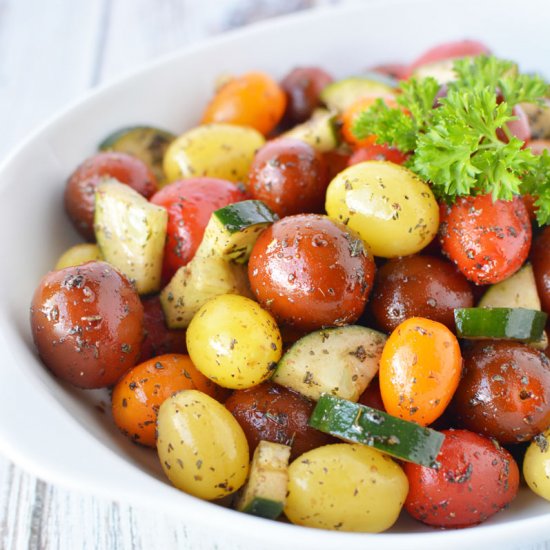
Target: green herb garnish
457	146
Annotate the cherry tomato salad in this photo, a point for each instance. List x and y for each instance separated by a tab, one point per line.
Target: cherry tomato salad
328	300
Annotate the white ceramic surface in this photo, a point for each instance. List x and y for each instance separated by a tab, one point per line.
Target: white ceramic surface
55	431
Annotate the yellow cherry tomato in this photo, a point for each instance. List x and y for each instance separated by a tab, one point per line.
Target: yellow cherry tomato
79	254
253	99
234	342
202	448
389	206
419	370
347	488
536	465
220	151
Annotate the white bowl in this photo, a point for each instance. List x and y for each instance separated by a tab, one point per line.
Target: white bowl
55	431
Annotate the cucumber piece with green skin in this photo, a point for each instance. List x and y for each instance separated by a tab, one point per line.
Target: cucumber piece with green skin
340	95
519	290
339	361
320	131
500	323
130	232
147	143
264	494
233	230
358	423
216	268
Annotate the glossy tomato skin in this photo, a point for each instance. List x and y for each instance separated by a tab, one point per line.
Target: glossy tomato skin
418	286
540	258
310	272
420	369
190	204
139	394
275	413
377	152
302	87
474	480
504	392
290	176
252	99
372	397
80	189
87	324
487	240
158	338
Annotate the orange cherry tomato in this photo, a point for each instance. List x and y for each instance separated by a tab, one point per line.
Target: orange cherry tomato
349	116
419	370
253	99
138	395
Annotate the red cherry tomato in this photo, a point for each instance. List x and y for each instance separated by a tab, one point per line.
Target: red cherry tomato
310	272
290	176
158	338
475	479
488	240
394	70
190	204
80	190
377	152
87	324
302	87
450	50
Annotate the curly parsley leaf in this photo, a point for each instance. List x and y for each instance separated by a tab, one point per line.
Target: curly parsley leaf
456	141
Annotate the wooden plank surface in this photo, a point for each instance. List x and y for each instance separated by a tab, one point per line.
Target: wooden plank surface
50	53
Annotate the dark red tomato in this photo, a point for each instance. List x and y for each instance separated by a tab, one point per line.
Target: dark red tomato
87	324
450	50
372	396
302	87
475	479
275	413
488	240
290	176
418	286
540	258
190	204
310	272
159	339
394	70
504	391
80	189
377	152
336	161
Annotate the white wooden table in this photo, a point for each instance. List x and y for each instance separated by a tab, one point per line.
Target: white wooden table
50	53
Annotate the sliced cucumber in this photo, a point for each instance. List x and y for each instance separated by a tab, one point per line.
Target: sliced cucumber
320	131
147	143
265	491
525	325
216	267
442	71
339	95
383	78
233	230
358	423
519	290
130	233
198	282
339	361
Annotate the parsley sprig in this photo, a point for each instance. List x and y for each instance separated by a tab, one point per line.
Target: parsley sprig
457	145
